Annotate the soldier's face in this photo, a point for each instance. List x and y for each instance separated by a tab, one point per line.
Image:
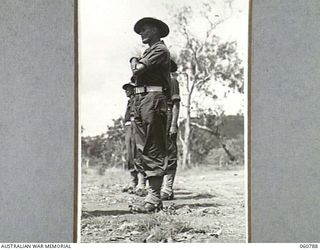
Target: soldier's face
129	92
147	33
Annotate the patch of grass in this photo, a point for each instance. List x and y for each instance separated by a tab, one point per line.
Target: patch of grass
162	227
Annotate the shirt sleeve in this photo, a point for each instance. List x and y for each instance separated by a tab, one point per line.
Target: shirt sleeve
128	110
175	91
156	56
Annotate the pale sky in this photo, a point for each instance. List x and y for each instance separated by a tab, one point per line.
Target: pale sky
107	42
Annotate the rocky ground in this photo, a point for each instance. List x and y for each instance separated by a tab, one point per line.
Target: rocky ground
209	206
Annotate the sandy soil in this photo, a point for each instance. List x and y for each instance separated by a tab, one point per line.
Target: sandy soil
209	206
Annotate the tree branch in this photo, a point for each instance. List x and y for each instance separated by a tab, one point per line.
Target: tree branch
214	25
205	128
192	88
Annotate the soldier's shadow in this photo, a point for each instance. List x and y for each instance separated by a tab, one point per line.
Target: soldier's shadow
195	197
182	192
197	205
98	213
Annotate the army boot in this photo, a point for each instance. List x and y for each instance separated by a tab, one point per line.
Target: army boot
141	186
152	202
133	182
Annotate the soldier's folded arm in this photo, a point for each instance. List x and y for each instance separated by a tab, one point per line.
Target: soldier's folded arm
155	57
137	67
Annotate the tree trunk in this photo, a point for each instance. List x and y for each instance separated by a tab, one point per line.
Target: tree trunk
186	156
186	148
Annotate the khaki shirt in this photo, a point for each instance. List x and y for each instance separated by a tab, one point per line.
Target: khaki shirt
174	92
157	62
128	110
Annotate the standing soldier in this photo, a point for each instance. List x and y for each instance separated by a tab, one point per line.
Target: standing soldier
137	183
172	129
152	77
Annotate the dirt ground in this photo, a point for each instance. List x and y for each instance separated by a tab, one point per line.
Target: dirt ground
209	206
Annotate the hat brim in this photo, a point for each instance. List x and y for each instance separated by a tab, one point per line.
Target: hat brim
163	27
127	85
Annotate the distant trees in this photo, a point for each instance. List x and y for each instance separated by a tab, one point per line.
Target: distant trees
107	148
114	145
92	146
210	132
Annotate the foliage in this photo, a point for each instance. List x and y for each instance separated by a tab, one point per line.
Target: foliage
207	57
114	146
204	63
227	130
108	148
92	146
